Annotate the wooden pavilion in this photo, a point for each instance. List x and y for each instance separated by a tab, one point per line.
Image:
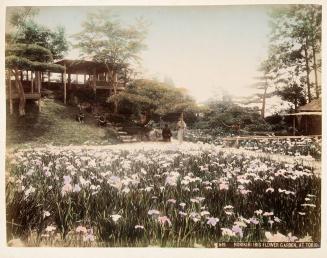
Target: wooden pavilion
96	76
28	82
308	119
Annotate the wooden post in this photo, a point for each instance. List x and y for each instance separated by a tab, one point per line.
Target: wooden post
27	75
62	78
32	82
10	94
84	78
115	91
94	82
49	74
293	125
76	78
306	125
65	90
237	141
69	80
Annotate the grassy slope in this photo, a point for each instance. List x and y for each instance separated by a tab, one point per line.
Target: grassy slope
55	124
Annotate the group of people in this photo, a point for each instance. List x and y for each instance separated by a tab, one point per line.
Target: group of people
100	118
167	134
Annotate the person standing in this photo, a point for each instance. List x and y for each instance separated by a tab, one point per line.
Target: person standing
181	126
166	134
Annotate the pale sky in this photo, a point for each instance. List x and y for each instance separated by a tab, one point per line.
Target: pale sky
203	49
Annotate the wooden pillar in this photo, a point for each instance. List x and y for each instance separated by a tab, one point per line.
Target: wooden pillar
293	125
94	82
10	93
116	81
39	88
69	80
49	81
62	78
21	75
32	82
27	75
65	90
76	78
84	78
306	125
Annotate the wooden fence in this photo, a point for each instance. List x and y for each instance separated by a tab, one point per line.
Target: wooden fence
237	139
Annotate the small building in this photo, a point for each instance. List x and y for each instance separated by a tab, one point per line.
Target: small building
308	119
95	75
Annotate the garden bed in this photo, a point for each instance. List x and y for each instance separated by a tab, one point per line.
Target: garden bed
161	195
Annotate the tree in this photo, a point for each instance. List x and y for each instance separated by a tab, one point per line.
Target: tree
293	93
105	40
28	57
55	41
155	98
295	45
225	115
31	47
27	31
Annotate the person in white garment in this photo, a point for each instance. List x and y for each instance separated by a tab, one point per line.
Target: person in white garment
181	126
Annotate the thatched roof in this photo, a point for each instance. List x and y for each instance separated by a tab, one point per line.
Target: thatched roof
313	106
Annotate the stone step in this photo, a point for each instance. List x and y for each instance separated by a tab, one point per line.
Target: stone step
125	137
130	141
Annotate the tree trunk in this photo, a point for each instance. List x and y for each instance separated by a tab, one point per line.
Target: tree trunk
21	94
115	91
315	70
39	85
263	108
64	84
307	68
11	110
112	75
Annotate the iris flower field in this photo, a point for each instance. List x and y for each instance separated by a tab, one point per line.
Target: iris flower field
165	195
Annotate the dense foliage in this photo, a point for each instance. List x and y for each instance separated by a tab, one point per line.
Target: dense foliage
155	98
294	60
222	115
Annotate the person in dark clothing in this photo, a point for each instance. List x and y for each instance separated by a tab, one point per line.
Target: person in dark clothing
80	117
102	121
166	134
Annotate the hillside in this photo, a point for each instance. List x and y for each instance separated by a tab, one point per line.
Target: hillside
56	125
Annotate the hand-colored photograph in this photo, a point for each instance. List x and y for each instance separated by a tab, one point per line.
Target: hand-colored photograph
163	126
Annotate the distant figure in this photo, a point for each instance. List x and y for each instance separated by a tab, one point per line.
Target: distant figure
181	126
80	117
166	134
102	121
